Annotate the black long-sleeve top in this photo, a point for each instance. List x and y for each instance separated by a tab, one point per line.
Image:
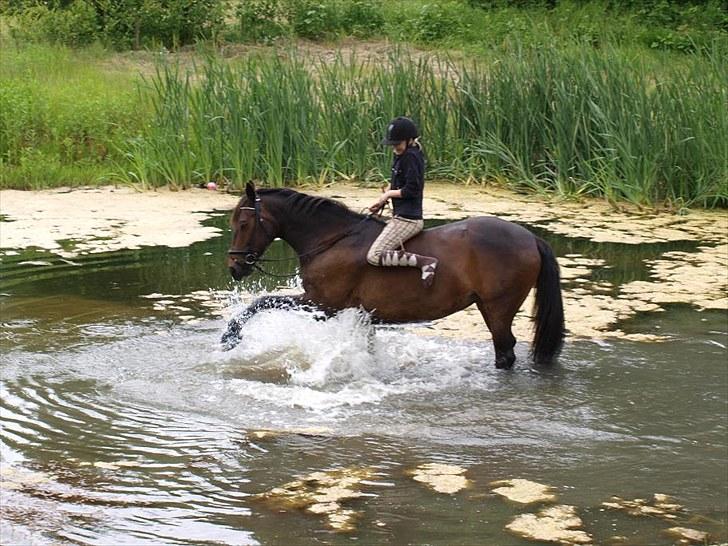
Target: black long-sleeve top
408	175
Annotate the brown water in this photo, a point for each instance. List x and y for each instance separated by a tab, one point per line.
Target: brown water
93	373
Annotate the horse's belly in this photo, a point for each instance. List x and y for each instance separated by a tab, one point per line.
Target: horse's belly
403	298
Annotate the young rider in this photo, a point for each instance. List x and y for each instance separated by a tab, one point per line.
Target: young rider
408	180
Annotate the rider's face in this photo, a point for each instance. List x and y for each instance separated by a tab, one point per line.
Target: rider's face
400	147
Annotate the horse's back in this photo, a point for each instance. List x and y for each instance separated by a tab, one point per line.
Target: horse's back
481	233
481	258
479	238
489	253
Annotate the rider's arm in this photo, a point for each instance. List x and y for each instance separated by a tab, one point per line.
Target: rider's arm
391	194
386	196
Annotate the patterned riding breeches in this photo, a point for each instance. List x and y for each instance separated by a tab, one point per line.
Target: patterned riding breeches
393	236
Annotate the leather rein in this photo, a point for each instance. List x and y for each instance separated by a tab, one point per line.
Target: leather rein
252	257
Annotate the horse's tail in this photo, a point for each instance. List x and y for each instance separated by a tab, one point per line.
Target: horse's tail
548	309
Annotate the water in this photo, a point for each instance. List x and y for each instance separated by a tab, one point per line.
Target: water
122	422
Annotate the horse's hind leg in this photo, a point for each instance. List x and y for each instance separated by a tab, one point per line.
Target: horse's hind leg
231	337
498	316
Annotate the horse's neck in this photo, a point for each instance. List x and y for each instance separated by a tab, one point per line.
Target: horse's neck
306	233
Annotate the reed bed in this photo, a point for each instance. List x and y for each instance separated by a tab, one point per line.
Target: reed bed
626	126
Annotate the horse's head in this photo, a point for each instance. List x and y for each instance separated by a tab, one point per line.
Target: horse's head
252	233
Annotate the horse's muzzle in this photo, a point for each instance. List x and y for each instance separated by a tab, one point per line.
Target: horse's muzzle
239	270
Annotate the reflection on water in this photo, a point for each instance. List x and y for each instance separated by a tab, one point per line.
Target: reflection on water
124	426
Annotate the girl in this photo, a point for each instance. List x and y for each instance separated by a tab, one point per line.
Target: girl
405	191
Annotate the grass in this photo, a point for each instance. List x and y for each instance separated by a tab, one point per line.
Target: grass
63	115
573	122
477	26
584	118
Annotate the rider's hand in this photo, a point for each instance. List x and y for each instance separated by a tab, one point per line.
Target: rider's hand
378	205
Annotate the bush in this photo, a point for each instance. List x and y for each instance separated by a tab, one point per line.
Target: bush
261	20
75	25
313	20
121	23
682	26
362	18
437	21
499	4
169	22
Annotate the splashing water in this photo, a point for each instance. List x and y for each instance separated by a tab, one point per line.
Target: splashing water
342	361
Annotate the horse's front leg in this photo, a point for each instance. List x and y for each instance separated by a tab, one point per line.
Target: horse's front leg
231	337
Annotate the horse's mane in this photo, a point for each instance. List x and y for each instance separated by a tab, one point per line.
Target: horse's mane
309	205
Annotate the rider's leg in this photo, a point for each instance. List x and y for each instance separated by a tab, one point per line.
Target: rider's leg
385	249
400	258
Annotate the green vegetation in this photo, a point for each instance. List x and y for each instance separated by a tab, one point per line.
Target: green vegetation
470	25
63	116
626	100
661	25
581	121
115	23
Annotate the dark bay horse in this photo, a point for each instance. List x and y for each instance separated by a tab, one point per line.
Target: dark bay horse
483	260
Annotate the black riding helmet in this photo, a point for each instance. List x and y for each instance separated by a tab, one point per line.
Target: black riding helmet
400	129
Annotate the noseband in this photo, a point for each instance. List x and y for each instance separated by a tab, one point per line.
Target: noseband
251	256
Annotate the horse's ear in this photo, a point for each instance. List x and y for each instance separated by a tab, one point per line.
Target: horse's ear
250	190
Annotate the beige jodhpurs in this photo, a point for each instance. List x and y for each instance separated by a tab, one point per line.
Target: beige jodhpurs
393	236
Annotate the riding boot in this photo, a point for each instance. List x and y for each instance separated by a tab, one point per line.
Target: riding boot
400	258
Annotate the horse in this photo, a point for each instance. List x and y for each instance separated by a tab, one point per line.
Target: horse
487	261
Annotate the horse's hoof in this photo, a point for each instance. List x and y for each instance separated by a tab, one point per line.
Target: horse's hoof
504	363
229	344
231	338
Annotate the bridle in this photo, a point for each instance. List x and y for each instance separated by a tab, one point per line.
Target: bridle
251	256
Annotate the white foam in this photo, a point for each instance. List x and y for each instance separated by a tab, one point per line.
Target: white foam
342	361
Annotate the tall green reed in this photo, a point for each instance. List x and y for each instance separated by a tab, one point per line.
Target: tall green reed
646	129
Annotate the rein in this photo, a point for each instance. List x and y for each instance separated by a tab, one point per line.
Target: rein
252	258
